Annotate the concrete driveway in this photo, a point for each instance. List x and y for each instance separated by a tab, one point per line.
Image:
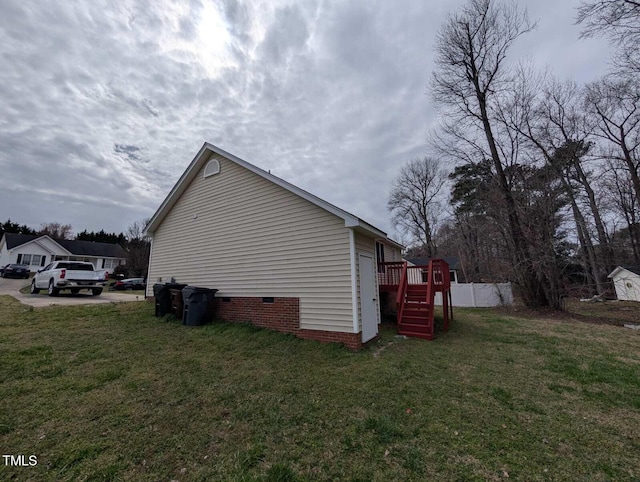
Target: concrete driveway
12	287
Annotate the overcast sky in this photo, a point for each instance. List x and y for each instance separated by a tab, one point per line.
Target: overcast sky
103	104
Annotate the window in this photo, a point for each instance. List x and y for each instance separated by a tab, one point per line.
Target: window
380	256
31	259
110	263
212	167
80	267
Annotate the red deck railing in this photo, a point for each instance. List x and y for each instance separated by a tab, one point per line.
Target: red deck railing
389	274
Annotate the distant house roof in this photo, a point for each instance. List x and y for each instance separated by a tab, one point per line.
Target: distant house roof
634	268
78	248
452	261
14	240
90	248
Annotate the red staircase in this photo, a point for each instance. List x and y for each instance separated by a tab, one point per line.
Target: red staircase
417	288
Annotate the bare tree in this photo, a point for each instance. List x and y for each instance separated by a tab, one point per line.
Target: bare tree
548	114
615	105
469	81
619	20
138	248
136	230
623	199
415	201
56	230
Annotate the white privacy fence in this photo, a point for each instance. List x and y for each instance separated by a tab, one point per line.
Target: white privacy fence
479	295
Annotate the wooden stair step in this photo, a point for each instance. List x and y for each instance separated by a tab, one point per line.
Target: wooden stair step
415	326
418	308
416	303
416	314
416	299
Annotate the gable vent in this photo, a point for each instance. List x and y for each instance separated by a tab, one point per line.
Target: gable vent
212	168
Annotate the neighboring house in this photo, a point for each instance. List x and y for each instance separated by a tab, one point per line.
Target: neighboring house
626	280
453	263
38	251
280	257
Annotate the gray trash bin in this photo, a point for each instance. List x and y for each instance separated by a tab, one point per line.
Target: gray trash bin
198	305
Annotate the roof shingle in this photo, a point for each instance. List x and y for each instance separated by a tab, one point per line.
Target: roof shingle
78	248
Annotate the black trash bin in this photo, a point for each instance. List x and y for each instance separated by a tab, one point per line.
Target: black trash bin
162	294
198	308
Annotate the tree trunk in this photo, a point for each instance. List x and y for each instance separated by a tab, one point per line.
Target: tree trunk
633	172
531	285
584	237
603	239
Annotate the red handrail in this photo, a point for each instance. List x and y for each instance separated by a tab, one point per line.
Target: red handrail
430	294
402	291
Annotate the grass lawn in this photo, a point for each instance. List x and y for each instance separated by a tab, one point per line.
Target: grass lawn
109	392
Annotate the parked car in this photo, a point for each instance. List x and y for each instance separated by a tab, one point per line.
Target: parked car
69	275
15	271
129	284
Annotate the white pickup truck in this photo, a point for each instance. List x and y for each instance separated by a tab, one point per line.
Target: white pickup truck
69	275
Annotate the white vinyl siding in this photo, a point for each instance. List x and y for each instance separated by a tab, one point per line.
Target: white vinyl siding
391	253
246	236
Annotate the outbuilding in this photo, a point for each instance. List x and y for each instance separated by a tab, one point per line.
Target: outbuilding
626	280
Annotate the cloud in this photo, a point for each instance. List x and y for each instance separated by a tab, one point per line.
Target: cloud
105	104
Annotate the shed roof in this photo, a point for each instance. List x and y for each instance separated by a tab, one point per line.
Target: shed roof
633	268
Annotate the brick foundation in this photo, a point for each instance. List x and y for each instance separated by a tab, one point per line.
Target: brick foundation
350	340
282	315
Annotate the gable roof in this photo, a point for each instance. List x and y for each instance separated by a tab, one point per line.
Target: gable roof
633	268
14	240
78	248
91	248
350	221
